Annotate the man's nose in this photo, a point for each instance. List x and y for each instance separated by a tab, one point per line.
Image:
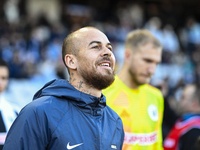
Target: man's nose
151	69
106	51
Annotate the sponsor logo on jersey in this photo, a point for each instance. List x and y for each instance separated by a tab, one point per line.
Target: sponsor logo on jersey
140	138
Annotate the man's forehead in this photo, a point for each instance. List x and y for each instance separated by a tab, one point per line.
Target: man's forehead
94	37
3	68
4	71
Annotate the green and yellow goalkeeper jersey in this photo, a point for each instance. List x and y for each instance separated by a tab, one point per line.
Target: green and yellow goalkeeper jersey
141	112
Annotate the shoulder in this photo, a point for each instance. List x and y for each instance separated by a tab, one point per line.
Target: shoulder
46	106
151	90
42	113
42	103
154	96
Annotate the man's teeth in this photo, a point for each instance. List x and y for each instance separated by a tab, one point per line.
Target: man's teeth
105	64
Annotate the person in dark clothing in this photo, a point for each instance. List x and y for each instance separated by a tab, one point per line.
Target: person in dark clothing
73	115
186	130
198	143
169	118
8	111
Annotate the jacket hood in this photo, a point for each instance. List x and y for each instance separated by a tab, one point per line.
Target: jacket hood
63	89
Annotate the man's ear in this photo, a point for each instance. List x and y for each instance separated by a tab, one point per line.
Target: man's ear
70	61
127	54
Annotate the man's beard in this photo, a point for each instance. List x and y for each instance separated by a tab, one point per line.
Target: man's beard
97	80
134	78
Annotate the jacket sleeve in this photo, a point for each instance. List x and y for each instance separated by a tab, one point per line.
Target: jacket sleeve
29	130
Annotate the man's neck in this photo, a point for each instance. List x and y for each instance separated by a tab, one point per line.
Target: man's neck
80	85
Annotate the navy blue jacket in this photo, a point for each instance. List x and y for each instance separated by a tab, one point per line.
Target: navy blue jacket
63	118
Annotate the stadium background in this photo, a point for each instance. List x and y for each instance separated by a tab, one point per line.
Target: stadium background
32	31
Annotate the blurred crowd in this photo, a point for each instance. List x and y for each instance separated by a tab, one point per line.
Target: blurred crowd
32	32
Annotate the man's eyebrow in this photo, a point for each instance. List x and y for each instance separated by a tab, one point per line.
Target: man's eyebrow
98	42
109	44
94	42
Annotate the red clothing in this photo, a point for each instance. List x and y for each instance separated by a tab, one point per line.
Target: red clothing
179	129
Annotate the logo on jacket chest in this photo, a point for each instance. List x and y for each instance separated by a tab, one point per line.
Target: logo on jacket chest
72	146
153	112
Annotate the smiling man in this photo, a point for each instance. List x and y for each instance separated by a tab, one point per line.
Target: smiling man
73	115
